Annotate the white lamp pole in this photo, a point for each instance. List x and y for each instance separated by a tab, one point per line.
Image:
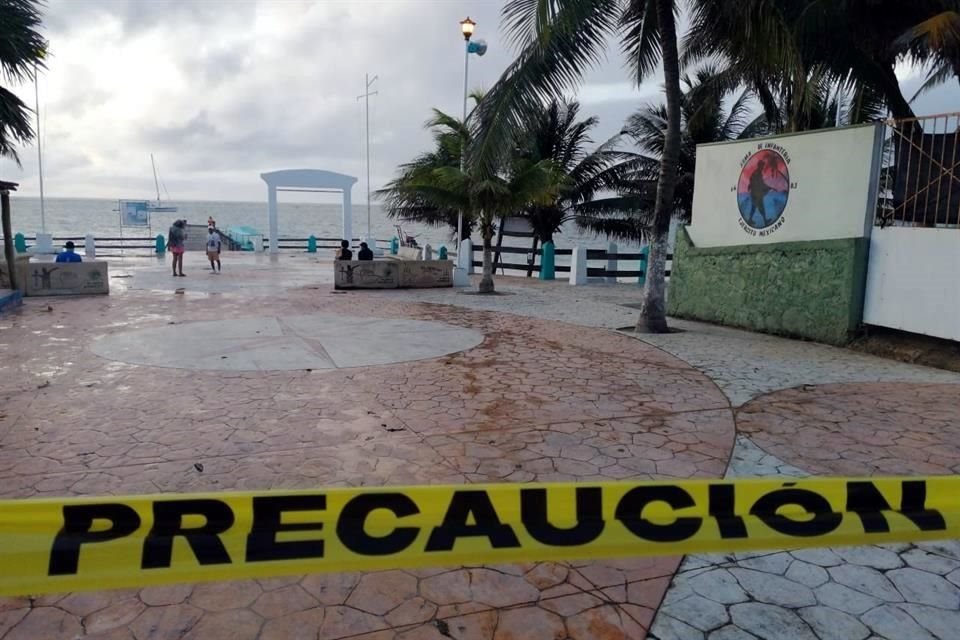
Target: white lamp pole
466	28
36	95
366	98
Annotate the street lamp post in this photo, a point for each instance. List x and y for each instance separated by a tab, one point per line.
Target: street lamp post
366	98
479	47
36	96
466	28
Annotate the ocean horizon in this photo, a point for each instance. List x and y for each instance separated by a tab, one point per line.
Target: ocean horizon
101	217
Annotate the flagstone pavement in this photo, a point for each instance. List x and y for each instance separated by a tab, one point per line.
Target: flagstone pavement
139	392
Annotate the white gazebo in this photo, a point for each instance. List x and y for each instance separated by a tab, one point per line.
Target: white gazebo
309	180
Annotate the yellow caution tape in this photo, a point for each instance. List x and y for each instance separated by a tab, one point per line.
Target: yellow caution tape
74	544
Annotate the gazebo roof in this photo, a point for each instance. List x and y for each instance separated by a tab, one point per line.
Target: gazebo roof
308	179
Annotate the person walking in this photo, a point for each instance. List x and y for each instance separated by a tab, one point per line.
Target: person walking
176	239
213	250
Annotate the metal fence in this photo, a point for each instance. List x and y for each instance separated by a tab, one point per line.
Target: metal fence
920	173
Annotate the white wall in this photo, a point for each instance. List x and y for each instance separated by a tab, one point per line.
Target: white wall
830	196
913	281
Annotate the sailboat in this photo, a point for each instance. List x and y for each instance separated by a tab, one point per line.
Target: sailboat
158	206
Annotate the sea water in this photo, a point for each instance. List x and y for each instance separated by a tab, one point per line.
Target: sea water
80	216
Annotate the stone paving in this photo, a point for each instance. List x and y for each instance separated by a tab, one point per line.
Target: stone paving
536	400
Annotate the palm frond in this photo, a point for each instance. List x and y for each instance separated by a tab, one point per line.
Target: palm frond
568	41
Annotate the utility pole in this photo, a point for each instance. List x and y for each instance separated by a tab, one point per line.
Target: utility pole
36	95
366	99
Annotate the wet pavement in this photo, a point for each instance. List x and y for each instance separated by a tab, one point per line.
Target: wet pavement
129	393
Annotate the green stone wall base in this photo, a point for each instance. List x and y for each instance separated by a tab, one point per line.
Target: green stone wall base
811	290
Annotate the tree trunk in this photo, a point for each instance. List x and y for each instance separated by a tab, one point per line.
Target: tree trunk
486	282
897	103
8	250
653	308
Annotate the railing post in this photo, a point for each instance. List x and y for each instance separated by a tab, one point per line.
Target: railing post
312	244
394	245
160	245
548	262
443	253
466	250
427	252
644	254
20	243
578	266
611	262
90	246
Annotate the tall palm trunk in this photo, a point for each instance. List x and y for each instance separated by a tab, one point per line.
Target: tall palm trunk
653	308
486	282
8	250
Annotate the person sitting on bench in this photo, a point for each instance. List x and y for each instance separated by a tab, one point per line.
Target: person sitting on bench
68	255
365	253
344	253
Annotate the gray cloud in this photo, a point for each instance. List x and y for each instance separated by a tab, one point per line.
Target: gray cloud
221	90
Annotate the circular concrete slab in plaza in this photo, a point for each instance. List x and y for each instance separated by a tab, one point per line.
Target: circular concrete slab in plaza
274	343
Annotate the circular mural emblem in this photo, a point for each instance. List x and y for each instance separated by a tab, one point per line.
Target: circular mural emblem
763	189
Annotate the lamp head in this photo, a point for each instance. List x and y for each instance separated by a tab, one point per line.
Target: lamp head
466	27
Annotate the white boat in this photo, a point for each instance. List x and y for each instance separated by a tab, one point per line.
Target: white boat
158	206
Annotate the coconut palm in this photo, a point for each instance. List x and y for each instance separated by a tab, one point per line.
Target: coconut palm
22	49
857	42
434	188
553	133
936	40
709	113
404	202
559	41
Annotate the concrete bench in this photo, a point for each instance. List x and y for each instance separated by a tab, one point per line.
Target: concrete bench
63	278
392	274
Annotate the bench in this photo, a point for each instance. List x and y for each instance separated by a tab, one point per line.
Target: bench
392	274
63	278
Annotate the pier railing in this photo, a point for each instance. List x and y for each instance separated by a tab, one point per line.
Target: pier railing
610	265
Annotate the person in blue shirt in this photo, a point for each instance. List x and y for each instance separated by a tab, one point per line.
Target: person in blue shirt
68	255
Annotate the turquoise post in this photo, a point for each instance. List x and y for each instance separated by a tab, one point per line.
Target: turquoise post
312	244
548	262
20	243
160	244
443	253
394	245
644	254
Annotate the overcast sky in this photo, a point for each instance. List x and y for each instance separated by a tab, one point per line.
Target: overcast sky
222	90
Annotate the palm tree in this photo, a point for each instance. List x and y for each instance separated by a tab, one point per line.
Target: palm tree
705	118
406	199
857	42
434	188
559	40
936	40
554	133
22	50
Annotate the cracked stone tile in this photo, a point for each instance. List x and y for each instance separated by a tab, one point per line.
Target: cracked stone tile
830	624
807	574
870	556
945	625
775	563
700	613
892	622
718	585
925	561
669	628
921	587
773	589
845	599
866	580
770	622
